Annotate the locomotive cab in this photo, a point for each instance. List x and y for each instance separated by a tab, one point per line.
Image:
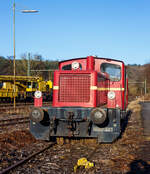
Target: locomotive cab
89	100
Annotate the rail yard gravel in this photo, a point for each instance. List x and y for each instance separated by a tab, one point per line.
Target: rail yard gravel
118	157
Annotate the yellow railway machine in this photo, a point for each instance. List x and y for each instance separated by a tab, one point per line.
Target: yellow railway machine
25	86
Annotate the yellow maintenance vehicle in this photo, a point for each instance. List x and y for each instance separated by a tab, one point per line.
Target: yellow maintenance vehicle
25	86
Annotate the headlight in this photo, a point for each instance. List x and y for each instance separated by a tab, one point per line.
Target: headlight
37	94
75	65
111	95
36	115
98	116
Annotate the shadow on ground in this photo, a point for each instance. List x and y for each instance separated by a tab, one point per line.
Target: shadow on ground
139	167
124	123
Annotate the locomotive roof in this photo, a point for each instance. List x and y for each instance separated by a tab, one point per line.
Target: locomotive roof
94	57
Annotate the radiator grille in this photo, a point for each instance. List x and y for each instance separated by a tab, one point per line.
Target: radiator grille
74	88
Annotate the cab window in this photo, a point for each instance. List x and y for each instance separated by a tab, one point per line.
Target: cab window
66	67
114	71
71	67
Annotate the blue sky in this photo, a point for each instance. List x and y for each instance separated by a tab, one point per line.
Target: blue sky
66	29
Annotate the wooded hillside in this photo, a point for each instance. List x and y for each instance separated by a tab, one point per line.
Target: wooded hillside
137	74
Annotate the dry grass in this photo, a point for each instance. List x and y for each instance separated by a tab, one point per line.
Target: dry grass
147	97
135	106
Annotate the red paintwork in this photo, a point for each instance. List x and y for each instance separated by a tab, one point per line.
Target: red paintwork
74	90
102	95
90	63
69	94
126	92
119	100
38	102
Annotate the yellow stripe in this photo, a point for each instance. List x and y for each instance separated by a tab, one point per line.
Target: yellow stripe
93	87
99	89
55	87
110	89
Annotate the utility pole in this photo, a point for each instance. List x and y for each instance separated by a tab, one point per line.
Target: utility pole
145	86
46	70
28	71
14	61
14	44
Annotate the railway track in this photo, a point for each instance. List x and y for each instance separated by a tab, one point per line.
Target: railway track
110	158
3	105
19	163
8	122
89	158
21	108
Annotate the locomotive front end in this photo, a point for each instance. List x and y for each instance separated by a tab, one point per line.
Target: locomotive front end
74	97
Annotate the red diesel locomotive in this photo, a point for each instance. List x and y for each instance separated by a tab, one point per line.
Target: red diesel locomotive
90	96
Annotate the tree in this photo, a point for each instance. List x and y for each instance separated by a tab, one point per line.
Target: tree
147	76
6	66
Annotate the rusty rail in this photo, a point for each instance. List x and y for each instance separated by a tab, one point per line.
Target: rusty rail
21	104
7	122
26	159
22	108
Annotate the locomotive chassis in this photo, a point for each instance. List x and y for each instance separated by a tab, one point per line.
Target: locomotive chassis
76	122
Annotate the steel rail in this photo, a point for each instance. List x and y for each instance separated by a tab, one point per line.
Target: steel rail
23	118
26	159
22	104
8	109
8	124
14	121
